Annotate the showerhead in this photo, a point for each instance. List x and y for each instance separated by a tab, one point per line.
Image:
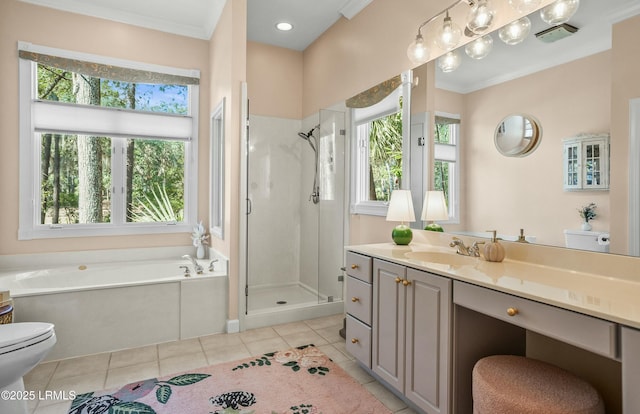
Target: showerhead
308	134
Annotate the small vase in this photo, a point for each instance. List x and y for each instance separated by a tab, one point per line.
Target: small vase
200	251
586	226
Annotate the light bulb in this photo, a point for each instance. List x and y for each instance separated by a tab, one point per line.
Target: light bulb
449	62
479	48
524	6
418	51
559	11
448	35
515	32
480	17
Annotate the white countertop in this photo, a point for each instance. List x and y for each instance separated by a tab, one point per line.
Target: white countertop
599	295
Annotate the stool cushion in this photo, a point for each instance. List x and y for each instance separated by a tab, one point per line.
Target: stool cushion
509	384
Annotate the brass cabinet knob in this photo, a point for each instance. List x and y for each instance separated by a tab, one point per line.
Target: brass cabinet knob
406	282
354	340
354	266
398	280
355	299
512	311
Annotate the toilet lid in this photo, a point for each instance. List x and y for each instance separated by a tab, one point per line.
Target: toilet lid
23	334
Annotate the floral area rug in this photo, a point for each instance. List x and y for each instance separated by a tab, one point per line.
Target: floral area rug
300	380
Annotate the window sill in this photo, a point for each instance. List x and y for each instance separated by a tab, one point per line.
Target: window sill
98	230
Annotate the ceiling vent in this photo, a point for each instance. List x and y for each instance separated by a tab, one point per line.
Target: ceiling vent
556	33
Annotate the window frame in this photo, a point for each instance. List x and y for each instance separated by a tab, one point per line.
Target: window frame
454	209
30	163
360	204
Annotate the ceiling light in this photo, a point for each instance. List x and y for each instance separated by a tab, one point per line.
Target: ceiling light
559	11
480	17
479	48
449	62
418	51
284	26
524	6
515	32
449	34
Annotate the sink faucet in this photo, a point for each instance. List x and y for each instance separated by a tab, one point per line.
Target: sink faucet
196	266
473	250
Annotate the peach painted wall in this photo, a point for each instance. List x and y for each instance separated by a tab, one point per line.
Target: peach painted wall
274	76
625	63
48	27
506	193
227	51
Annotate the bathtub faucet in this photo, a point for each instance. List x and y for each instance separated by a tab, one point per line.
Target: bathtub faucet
196	266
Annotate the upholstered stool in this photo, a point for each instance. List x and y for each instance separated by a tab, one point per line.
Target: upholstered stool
509	384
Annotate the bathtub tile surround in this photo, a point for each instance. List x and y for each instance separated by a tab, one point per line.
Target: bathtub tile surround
129	297
123	368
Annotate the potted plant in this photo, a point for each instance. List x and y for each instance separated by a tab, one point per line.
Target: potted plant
587	213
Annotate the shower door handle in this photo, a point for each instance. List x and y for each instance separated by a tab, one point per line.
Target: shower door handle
249	206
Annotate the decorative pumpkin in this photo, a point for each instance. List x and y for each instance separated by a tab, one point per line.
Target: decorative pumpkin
493	251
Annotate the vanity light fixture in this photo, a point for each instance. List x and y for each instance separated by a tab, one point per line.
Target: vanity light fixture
524	6
449	62
560	11
401	209
434	208
479	48
449	34
480	17
284	26
515	32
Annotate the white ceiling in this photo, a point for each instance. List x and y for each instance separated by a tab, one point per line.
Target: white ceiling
198	18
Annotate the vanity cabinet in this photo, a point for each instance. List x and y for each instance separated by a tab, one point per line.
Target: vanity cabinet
411	333
586	162
358	307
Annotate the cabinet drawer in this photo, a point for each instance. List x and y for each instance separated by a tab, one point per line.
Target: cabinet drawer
359	340
359	299
359	266
584	331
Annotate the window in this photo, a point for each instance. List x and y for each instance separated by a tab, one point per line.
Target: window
107	147
380	155
446	165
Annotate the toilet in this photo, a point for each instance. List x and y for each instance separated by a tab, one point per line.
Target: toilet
587	240
22	346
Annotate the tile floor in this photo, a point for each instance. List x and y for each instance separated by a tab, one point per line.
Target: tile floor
110	370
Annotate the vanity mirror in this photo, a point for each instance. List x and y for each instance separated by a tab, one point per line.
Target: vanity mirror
517	135
569	85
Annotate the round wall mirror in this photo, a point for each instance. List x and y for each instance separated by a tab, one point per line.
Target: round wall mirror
517	135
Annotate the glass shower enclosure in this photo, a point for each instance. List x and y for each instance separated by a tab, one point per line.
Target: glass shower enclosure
295	216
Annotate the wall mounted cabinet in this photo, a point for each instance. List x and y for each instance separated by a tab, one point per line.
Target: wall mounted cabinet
586	162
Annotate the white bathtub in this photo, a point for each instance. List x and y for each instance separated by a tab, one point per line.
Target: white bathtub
100	307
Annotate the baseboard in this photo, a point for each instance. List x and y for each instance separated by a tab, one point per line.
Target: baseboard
233	325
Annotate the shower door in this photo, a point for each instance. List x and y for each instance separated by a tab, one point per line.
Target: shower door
332	207
293	247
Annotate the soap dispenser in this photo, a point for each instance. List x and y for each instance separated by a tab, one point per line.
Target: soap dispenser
493	251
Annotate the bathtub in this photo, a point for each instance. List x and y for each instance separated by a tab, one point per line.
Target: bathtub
112	305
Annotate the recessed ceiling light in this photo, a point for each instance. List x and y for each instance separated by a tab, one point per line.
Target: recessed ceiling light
284	26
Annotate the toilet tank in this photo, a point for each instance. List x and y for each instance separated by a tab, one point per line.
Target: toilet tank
587	240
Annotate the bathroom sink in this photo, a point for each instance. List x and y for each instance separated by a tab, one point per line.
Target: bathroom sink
452	259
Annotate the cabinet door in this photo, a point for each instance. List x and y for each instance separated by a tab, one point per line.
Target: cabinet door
571	165
428	331
388	322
